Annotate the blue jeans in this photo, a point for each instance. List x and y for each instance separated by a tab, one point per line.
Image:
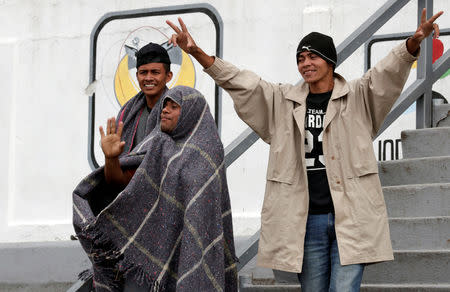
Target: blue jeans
322	269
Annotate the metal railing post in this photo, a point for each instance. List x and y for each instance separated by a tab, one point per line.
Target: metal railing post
424	70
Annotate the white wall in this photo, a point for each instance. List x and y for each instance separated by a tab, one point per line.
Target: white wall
44	112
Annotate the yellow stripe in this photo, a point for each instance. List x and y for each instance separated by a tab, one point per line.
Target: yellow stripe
167	196
214	242
186	75
123	84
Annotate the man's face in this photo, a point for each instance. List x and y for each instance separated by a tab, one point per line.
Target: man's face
313	68
169	115
152	78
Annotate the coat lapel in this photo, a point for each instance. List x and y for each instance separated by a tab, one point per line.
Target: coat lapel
298	95
340	89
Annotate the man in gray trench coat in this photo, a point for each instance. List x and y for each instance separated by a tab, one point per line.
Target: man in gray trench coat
324	215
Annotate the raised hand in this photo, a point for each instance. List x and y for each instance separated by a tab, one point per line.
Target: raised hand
424	30
182	37
111	145
427	26
184	40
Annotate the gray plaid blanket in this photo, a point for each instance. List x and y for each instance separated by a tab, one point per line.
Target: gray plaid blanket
130	115
170	229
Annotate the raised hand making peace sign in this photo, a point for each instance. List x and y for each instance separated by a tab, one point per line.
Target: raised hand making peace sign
424	30
184	40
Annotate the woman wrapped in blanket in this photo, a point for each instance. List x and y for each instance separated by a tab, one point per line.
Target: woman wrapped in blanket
159	218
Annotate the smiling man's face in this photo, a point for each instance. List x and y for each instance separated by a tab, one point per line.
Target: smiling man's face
313	68
152	79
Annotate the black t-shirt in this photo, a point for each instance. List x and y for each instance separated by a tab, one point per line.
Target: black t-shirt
320	201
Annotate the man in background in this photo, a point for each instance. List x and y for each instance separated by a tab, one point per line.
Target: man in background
136	116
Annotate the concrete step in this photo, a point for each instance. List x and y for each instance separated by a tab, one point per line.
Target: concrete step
415	171
431	233
246	285
426	200
424	267
426	142
405	288
36	287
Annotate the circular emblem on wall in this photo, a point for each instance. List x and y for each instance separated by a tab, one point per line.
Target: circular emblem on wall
125	83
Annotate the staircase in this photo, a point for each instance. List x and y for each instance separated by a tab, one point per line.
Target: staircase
417	195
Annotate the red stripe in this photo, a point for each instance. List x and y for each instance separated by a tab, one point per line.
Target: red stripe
135	130
121	115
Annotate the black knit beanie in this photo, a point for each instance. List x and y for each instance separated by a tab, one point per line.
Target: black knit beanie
152	53
319	44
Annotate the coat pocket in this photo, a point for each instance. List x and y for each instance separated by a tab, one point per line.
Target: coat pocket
280	168
370	189
358	155
362	168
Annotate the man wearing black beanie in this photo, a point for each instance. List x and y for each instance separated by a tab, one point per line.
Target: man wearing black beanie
323	215
135	120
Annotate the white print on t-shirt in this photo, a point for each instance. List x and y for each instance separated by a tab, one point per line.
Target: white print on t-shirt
309	144
314	119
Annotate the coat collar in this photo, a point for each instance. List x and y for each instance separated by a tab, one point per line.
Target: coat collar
300	91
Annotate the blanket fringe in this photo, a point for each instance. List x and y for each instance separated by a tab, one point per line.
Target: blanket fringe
102	249
85	275
138	274
110	264
105	257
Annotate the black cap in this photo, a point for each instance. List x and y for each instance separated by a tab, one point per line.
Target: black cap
152	53
320	44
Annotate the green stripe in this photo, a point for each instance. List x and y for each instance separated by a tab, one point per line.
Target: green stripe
445	74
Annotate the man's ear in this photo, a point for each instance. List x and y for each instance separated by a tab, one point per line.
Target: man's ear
332	67
169	76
